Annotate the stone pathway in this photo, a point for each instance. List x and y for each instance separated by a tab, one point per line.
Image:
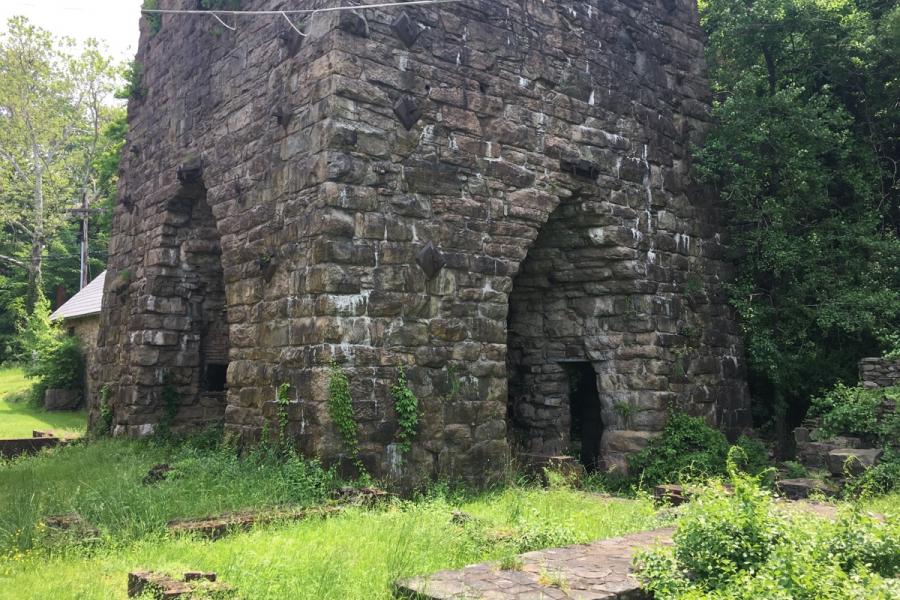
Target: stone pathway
596	571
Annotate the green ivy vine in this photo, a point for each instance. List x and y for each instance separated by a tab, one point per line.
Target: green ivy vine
340	408
104	424
282	398
407	407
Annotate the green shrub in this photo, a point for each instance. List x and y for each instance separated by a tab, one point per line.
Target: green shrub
55	359
739	537
687	449
855	411
883	478
134	87
795	470
741	546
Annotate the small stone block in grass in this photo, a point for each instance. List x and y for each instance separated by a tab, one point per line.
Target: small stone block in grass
366	496
798	489
159	585
671	493
214	528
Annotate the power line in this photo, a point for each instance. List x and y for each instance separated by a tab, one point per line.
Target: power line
305	11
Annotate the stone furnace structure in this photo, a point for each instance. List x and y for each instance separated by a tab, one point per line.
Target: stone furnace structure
495	194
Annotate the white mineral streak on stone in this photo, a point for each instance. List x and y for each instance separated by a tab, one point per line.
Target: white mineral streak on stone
404	61
395	460
592	100
615	139
346	304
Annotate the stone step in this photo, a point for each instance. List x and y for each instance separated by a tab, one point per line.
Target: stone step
799	489
854	460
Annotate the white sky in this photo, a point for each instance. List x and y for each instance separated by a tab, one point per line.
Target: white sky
114	22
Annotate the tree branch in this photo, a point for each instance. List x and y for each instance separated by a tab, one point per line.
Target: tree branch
13	261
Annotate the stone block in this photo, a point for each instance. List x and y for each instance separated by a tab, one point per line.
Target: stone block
59	399
798	489
853	460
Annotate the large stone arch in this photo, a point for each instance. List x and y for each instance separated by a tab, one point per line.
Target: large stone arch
178	348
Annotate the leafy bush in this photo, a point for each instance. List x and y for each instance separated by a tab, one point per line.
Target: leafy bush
687	449
856	411
883	478
795	470
741	546
55	359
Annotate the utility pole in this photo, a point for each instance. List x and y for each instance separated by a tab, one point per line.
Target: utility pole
84	213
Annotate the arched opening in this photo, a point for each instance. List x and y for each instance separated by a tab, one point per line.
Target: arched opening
202	351
553	338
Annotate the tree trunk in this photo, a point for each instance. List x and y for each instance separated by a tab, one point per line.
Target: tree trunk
35	270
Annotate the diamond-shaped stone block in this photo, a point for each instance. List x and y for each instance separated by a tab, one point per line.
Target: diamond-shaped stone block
407	110
430	260
406	29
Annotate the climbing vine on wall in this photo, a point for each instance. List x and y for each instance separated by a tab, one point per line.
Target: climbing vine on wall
282	399
103	426
340	408
171	401
407	407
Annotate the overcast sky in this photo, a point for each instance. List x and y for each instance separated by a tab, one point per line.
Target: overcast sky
114	22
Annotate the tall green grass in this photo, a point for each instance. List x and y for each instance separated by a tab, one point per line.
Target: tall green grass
357	553
103	482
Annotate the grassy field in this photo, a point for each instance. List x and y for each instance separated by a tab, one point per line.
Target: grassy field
17	419
356	554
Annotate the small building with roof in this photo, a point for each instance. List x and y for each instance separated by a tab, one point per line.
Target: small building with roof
80	317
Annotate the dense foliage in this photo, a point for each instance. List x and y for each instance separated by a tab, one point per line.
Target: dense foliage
869	414
60	140
690	450
738	544
805	158
859	412
54	360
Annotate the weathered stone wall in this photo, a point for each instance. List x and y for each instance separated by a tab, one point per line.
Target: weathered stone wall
87	330
420	187
879	372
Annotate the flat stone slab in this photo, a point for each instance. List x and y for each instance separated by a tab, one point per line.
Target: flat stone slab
194	584
855	460
215	527
596	571
798	489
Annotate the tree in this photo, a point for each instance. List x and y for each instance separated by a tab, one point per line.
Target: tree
805	158
52	117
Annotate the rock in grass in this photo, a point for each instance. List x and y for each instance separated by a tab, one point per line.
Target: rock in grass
854	460
798	489
156	474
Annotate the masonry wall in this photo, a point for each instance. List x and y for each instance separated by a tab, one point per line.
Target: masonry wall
381	192
879	372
